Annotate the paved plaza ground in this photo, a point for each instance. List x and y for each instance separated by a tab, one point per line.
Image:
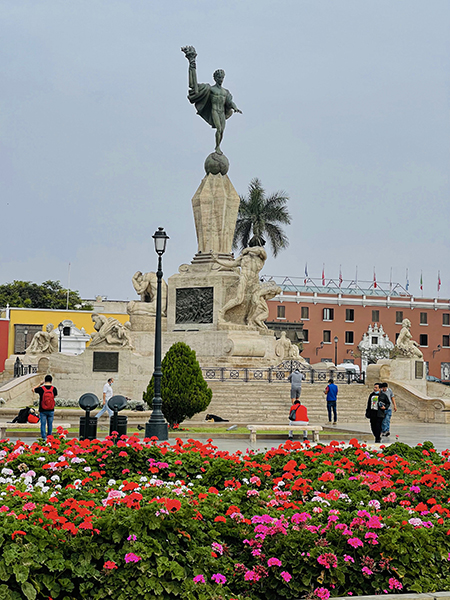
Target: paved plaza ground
411	433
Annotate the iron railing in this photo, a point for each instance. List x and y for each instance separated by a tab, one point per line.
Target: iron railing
281	373
21	369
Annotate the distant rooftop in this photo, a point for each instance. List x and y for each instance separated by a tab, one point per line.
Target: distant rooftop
308	285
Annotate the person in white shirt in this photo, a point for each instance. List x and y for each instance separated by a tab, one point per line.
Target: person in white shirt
107	394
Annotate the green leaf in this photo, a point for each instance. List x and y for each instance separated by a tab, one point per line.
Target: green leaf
29	591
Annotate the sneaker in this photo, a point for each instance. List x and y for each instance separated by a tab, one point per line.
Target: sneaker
291	437
305	439
334	422
387	434
329	422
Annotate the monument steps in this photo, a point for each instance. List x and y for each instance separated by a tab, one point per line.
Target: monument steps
270	402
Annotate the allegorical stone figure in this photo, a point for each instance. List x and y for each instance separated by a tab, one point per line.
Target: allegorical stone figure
213	102
248	291
146	285
44	342
267	291
109	331
405	344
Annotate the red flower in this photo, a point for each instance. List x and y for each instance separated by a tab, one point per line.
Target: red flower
110	564
19	532
220	519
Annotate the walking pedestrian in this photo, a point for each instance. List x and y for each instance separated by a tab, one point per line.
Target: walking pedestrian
47	393
296	379
331	392
300	414
107	394
386	425
377	404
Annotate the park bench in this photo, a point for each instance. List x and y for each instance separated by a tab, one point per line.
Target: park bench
313	428
4	427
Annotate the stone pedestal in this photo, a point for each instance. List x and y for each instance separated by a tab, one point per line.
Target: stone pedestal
215	205
409	371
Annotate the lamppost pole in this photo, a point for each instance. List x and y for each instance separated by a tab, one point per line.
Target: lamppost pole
157	425
336	339
60	329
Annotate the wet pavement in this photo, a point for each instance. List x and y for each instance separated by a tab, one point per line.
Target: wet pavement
411	433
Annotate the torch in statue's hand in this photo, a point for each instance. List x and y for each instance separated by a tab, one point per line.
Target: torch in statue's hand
190	54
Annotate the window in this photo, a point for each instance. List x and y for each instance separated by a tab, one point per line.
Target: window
23	335
306	335
349	337
396	336
423	318
328	314
375	340
66	331
308	360
281	312
327	337
375	316
399	316
349	361
349	314
326	360
445	318
423	339
305	312
446	341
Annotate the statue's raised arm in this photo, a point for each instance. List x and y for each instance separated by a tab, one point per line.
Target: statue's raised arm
213	102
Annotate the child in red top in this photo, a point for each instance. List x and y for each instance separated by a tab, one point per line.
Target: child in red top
301	418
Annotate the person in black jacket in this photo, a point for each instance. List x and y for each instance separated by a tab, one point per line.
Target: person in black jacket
377	405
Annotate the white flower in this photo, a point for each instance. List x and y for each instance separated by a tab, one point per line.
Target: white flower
112	482
198	477
54	477
6	471
87	469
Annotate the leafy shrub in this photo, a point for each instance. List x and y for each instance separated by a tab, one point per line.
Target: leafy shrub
184	391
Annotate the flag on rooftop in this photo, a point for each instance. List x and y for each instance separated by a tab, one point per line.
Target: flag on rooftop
323	274
421	281
439	281
374	279
340	275
407	281
306	272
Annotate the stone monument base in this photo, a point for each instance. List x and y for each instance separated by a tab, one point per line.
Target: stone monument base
410	371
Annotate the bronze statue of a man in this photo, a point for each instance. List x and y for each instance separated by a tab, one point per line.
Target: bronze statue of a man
213	102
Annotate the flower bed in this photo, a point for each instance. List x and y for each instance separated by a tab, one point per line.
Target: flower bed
137	520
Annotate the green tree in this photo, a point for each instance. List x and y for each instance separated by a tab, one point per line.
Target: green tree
260	217
49	294
184	392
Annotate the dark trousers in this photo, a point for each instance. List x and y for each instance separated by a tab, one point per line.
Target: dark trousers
331	406
375	425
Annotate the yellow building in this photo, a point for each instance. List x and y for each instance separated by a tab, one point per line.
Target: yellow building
25	322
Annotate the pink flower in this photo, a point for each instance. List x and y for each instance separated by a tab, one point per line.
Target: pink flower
132	538
348	558
251	576
130	557
371	537
199	579
217	547
274	562
355	542
219	578
328	560
286	576
394	584
367	571
29	506
322	593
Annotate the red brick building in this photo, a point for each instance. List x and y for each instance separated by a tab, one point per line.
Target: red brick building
336	317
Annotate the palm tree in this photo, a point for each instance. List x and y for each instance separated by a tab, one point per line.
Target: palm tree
260	216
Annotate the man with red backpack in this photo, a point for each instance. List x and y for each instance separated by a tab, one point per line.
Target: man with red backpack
47	393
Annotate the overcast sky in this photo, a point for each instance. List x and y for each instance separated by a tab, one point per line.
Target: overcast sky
345	107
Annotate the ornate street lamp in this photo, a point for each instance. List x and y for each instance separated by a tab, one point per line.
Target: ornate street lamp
157	425
336	339
60	329
26	336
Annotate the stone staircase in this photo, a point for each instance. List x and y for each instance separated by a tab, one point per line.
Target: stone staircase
262	402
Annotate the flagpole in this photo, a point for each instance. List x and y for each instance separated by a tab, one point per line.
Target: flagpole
68	289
